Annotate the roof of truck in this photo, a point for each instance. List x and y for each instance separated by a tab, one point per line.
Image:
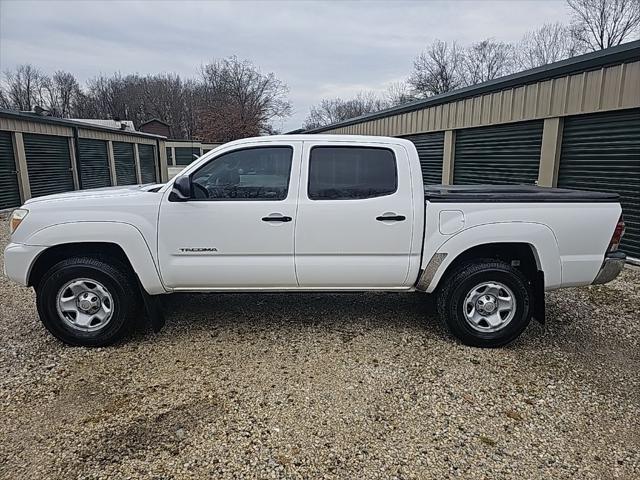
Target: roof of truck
325	138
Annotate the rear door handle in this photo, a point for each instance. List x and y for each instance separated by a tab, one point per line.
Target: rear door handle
391	218
276	219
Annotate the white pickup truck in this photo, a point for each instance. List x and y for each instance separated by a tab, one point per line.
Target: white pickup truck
310	212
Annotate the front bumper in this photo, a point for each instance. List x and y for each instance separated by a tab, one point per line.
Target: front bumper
18	260
611	267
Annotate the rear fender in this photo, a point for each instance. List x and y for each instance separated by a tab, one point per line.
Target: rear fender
538	236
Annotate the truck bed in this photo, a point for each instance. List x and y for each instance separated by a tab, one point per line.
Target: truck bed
512	194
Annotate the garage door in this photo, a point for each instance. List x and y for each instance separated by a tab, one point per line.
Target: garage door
125	163
505	154
94	163
147	157
430	148
9	190
186	155
48	163
602	152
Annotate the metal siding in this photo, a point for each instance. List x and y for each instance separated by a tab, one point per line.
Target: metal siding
630	88
147	156
48	164
501	155
125	163
94	163
430	148
602	152
9	189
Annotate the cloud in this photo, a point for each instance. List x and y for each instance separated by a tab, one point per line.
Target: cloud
320	49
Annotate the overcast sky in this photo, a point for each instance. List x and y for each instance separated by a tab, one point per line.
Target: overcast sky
319	49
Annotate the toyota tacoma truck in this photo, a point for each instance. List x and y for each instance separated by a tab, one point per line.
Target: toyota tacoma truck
332	213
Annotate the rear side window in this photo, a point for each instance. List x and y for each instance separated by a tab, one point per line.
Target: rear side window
348	173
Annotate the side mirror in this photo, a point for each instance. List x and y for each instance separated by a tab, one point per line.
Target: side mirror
181	191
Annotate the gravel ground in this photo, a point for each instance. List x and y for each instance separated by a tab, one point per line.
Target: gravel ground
325	386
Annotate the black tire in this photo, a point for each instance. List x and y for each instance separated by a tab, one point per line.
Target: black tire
460	282
116	278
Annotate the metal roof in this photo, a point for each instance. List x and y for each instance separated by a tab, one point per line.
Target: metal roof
589	61
107	123
154	120
32	117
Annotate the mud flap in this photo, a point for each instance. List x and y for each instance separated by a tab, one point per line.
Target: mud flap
538	298
153	310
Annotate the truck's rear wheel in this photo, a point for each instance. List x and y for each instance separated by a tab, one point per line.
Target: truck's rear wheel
486	303
86	301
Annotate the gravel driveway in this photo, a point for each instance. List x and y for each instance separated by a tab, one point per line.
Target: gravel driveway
325	386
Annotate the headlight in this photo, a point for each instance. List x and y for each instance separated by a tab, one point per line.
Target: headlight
16	218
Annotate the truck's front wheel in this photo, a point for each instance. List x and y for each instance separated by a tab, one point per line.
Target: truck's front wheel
86	301
486	303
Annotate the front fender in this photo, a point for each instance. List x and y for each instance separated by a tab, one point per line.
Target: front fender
539	236
125	235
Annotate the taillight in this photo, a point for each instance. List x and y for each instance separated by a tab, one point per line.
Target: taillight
617	235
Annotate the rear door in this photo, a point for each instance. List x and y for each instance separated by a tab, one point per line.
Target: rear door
355	216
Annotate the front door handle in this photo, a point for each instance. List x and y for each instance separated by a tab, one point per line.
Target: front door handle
276	219
391	218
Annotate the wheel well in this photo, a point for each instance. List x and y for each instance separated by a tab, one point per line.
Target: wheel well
55	254
520	255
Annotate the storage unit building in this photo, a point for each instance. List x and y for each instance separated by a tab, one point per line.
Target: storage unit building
146	157
125	163
93	158
183	152
602	152
42	155
574	124
9	187
48	163
502	154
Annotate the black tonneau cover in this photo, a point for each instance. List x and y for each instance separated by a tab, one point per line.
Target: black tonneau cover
512	193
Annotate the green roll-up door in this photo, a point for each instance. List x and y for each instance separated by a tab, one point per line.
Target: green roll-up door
125	163
147	157
48	164
9	189
500	155
94	163
430	148
602	152
186	155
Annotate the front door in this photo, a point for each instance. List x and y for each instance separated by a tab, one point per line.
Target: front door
238	230
355	217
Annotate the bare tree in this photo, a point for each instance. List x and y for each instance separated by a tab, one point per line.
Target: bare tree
600	24
439	69
231	99
486	60
550	43
334	110
25	87
62	92
239	100
165	99
398	93
4	100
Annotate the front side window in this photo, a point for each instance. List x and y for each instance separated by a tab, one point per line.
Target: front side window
347	173
260	173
